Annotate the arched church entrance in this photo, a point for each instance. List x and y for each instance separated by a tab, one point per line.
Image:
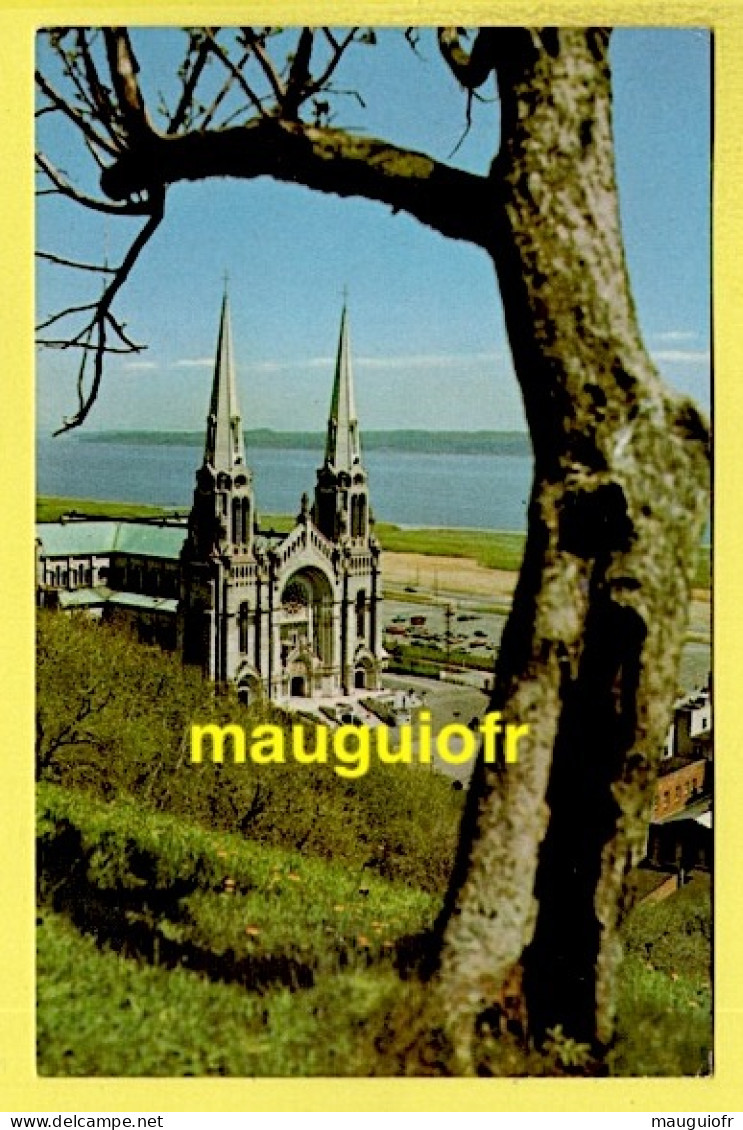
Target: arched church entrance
364	673
306	624
249	687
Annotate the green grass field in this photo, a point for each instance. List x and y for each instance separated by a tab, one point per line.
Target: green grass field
165	948
245	919
491	548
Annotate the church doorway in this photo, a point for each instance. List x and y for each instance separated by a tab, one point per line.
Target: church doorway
249	688
359	679
298	687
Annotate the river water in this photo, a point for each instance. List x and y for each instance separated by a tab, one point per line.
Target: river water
480	491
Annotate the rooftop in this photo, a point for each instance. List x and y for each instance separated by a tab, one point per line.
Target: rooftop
83	537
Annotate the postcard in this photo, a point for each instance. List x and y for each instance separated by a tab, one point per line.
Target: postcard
377	728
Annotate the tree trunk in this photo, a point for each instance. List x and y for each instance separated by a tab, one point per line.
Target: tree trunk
590	652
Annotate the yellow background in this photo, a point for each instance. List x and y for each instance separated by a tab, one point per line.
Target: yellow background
20	1089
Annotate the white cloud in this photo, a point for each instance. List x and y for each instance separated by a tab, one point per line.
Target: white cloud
428	360
285	366
682	356
400	361
139	365
675	335
193	363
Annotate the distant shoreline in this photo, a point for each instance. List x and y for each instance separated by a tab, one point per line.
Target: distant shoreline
419	442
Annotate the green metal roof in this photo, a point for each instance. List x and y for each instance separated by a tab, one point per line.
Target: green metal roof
141	600
150	540
80	538
84	598
67	539
92	597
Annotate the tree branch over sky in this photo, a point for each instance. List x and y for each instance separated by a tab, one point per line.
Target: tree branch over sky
289	138
590	652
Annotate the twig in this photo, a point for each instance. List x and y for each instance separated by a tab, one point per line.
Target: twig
252	41
66	189
76	116
189	84
78	264
103	317
236	73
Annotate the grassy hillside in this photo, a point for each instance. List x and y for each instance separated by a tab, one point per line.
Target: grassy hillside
248	920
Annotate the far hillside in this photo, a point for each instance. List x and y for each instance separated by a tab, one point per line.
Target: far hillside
407	440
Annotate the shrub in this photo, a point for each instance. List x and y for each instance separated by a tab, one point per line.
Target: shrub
114	718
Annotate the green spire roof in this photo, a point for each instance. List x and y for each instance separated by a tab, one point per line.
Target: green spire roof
342	448
224	448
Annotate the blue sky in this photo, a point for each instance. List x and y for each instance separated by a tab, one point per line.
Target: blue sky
426	324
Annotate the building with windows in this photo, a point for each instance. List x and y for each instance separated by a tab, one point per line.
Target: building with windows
286	615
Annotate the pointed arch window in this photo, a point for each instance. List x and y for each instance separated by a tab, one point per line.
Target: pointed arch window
245	522
358	516
361	614
243	621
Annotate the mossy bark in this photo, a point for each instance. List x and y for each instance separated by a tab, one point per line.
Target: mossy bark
590	653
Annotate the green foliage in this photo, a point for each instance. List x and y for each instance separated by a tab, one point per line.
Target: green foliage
665	990
114	717
703	575
422	659
673	936
272	954
296	955
217	892
664	1023
103	1014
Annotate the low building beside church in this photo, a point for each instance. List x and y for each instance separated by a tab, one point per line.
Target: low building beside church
286	615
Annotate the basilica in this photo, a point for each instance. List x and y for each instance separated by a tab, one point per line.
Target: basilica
282	615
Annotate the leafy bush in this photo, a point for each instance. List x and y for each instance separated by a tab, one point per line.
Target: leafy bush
674	936
114	718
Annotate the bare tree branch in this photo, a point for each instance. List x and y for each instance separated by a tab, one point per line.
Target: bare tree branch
254	43
64	187
76	116
450	200
64	343
102	319
99	93
472	68
124	68
338	52
66	313
190	82
236	72
76	263
300	77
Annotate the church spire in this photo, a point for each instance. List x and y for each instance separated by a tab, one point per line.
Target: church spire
342	447
341	509
224	449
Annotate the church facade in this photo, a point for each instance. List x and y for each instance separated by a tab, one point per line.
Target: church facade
286	615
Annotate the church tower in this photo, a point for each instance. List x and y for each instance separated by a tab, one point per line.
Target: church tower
341	513
341	510
218	551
